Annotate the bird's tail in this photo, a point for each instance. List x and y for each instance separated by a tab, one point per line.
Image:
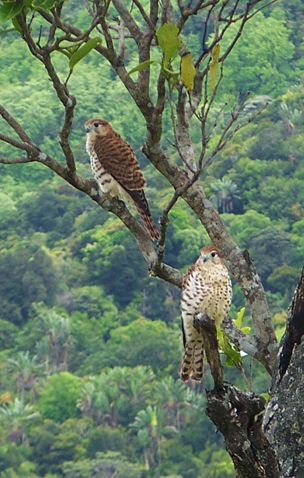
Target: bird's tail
192	366
142	207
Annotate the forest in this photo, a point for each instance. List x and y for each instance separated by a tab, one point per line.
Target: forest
91	344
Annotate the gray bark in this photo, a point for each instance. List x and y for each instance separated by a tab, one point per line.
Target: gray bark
284	416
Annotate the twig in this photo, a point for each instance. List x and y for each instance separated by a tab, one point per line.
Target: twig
180	152
16	160
25	146
15	125
121	41
144	15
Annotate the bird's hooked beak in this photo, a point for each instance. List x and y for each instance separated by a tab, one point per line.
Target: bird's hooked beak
205	258
88	128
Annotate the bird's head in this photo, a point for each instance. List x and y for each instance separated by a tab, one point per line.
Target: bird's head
97	127
210	254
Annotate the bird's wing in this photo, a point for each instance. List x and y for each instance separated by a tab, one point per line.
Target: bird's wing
191	294
118	158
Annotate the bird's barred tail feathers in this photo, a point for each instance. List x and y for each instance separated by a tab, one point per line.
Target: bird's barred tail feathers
142	207
192	366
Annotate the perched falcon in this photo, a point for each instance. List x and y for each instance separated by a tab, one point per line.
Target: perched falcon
206	289
116	169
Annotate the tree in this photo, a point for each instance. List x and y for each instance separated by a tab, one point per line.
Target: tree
185	85
25	371
16	415
58	397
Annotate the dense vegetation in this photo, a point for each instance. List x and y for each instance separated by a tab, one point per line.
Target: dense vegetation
90	345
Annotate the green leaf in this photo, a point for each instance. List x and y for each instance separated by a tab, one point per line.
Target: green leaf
142	66
16	25
188	71
266	396
233	356
245	330
167	37
83	51
215	54
43	4
239	317
9	10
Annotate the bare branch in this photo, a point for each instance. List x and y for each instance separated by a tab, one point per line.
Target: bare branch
181	133
128	20
15	125
145	16
25	146
121	41
16	160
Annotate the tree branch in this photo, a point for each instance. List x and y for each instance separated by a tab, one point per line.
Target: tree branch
15	125
236	414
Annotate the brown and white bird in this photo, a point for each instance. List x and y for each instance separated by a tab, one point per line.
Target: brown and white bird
206	289
116	169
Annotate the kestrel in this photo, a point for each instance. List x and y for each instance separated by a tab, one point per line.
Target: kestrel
116	169
206	289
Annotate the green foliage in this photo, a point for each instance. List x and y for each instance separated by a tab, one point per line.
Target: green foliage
265	73
104	463
58	396
30	277
142	342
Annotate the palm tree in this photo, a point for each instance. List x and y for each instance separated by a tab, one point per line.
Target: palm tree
150	426
57	341
25	371
225	190
116	395
174	397
14	415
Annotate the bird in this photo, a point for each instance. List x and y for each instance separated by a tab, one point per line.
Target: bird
206	288
116	169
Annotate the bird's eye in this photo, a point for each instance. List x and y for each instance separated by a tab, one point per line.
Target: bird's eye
96	125
213	254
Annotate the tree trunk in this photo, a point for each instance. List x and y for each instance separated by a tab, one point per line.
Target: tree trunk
265	443
284	416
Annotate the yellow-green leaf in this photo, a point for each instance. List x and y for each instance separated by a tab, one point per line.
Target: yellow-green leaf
9	10
142	66
187	71
167	37
215	54
266	396
16	24
83	51
245	330
153	421
239	317
233	356
43	4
